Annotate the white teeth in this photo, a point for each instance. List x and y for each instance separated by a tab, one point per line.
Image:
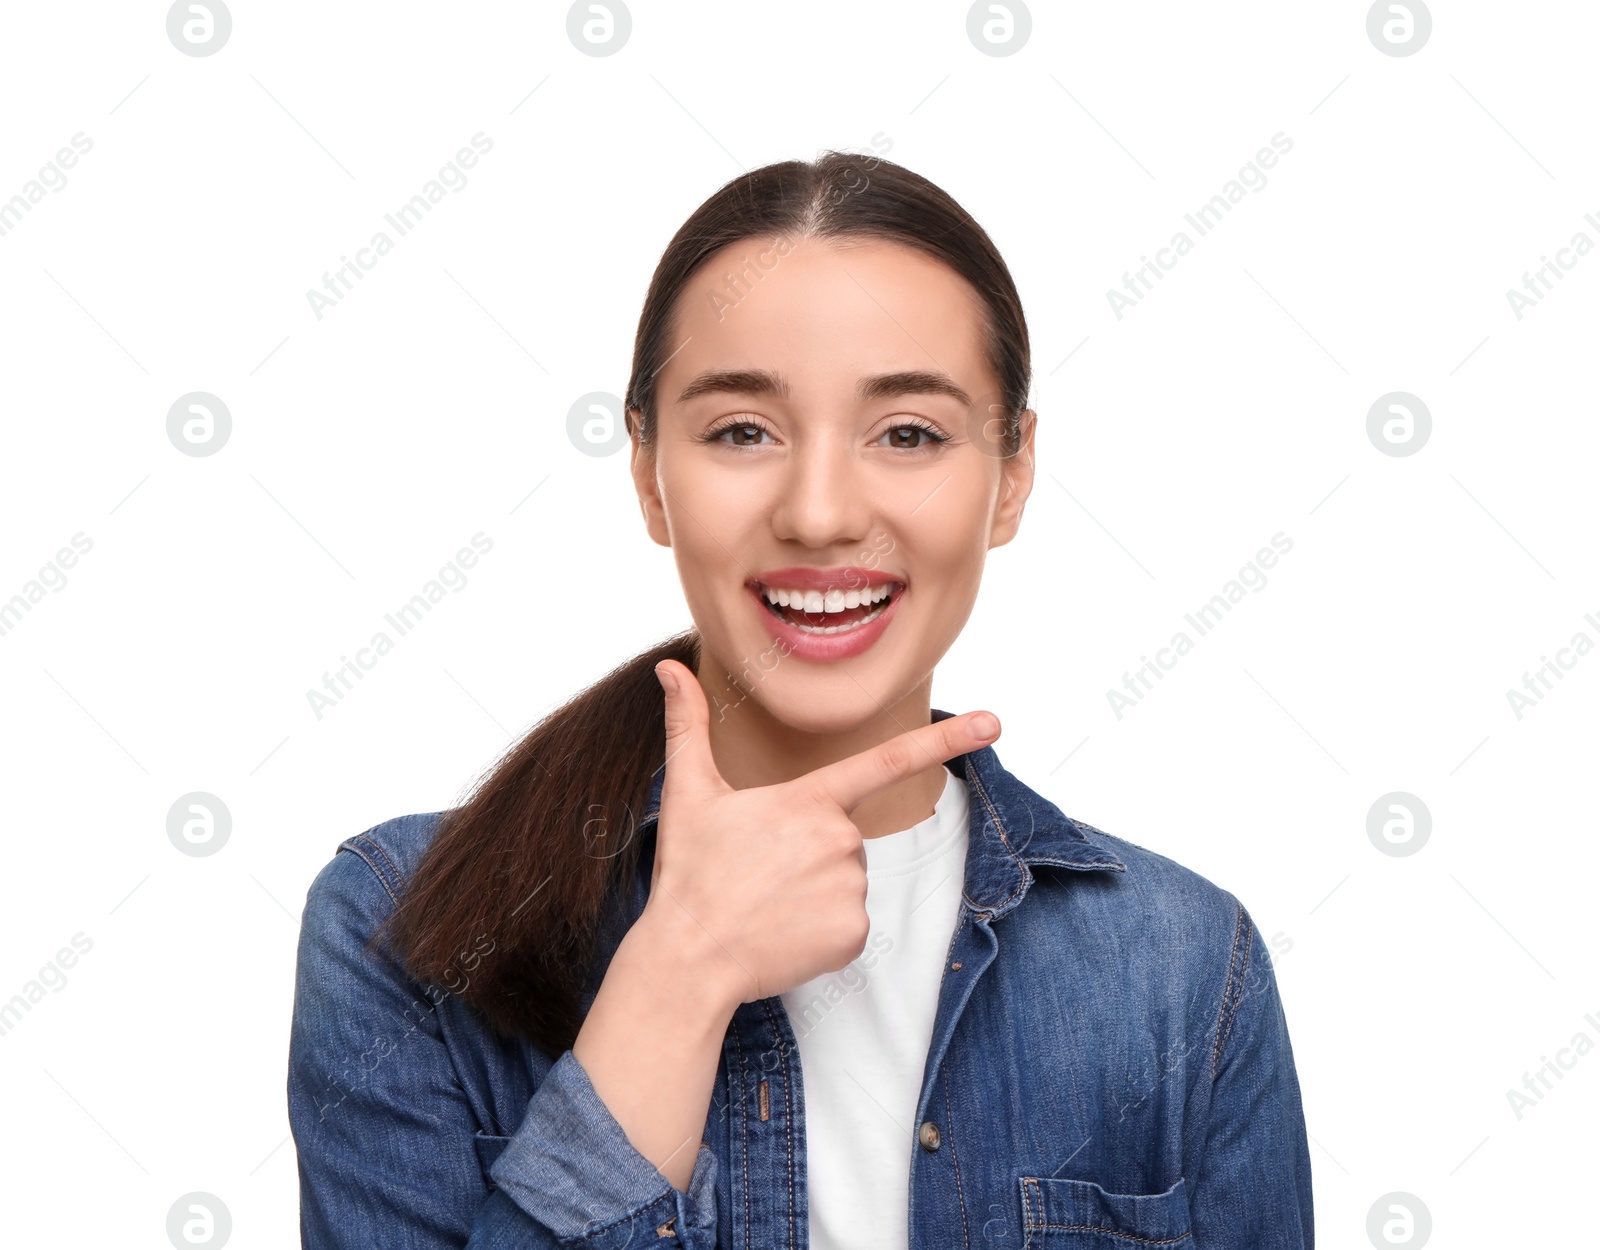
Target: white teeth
834	600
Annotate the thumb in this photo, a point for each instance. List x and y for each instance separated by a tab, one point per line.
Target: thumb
688	725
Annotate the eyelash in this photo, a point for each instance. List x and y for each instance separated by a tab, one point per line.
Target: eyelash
714	434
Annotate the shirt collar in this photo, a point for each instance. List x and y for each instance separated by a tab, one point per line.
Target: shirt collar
1009	828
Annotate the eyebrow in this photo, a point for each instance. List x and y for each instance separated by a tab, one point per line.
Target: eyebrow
875	386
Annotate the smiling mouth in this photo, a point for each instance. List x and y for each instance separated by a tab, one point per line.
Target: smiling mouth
831	611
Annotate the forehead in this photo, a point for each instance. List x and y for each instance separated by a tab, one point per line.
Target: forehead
824	313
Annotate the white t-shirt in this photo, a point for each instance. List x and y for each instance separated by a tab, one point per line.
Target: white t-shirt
864	1033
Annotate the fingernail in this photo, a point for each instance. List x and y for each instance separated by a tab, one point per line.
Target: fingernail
984	727
668	679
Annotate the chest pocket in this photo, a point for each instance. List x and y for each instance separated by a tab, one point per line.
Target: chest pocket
1060	1214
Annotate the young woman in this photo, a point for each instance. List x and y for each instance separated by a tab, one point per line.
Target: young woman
748	945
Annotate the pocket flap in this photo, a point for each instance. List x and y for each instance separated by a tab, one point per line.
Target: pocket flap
489	1146
1055	1203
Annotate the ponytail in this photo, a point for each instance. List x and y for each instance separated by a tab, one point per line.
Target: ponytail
510	895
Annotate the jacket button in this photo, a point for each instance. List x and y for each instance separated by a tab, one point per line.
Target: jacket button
929	1135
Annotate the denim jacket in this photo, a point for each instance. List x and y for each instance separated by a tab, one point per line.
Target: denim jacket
1110	1069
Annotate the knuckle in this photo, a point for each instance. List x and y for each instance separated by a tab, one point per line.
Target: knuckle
896	757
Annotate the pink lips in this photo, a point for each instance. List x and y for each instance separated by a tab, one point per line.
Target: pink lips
824	648
842	577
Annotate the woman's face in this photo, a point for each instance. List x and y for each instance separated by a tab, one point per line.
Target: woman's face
823	430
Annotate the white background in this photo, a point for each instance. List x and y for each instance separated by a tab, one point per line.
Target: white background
367	446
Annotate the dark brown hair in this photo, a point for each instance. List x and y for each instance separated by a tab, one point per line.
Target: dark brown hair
511	895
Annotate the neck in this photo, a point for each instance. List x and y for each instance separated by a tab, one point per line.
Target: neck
754	748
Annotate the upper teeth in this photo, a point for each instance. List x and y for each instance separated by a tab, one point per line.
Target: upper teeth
825	601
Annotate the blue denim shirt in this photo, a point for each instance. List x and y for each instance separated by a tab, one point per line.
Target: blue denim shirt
1110	1068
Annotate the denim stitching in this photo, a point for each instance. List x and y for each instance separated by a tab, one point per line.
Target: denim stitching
788	1112
1244	964
1030	1182
744	1155
357	846
983	795
950	1129
1229	999
1109	1232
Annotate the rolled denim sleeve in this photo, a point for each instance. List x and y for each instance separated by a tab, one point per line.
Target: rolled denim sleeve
1254	1182
572	1167
388	1144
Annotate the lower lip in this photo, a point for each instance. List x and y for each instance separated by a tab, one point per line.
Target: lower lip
826	647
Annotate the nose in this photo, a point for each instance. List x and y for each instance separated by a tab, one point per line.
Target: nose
824	499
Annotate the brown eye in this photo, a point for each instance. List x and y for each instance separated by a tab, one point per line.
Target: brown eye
737	434
913	437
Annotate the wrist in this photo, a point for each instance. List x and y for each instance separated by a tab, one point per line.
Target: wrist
678	949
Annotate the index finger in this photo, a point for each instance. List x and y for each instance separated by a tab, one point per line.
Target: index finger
848	782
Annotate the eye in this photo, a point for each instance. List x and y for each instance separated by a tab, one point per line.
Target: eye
930	436
741	430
